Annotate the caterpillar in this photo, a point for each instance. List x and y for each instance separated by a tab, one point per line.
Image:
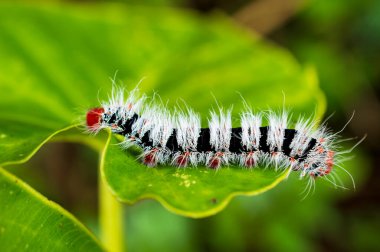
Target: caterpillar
179	140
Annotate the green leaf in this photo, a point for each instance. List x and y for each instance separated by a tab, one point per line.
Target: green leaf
29	221
20	143
56	62
193	192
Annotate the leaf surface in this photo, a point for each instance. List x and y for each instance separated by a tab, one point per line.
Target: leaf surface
29	221
192	192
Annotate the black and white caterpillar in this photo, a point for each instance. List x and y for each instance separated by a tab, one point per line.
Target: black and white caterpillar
178	139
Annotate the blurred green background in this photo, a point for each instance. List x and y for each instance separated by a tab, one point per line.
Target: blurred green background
341	39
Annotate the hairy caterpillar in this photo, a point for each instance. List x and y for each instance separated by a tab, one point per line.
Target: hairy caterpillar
178	139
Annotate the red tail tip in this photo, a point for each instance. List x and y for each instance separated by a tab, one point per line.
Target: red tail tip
94	116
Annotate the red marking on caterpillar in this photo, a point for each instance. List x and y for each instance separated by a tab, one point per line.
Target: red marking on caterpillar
182	160
249	160
94	117
150	158
179	140
215	161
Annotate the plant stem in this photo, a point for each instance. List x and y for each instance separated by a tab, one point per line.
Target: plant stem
110	219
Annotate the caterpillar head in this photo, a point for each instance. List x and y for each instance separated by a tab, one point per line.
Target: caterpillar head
93	118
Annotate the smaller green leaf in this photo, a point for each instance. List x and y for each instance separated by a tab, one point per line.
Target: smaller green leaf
19	142
193	192
29	221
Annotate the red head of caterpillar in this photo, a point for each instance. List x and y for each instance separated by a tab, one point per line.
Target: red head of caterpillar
94	117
